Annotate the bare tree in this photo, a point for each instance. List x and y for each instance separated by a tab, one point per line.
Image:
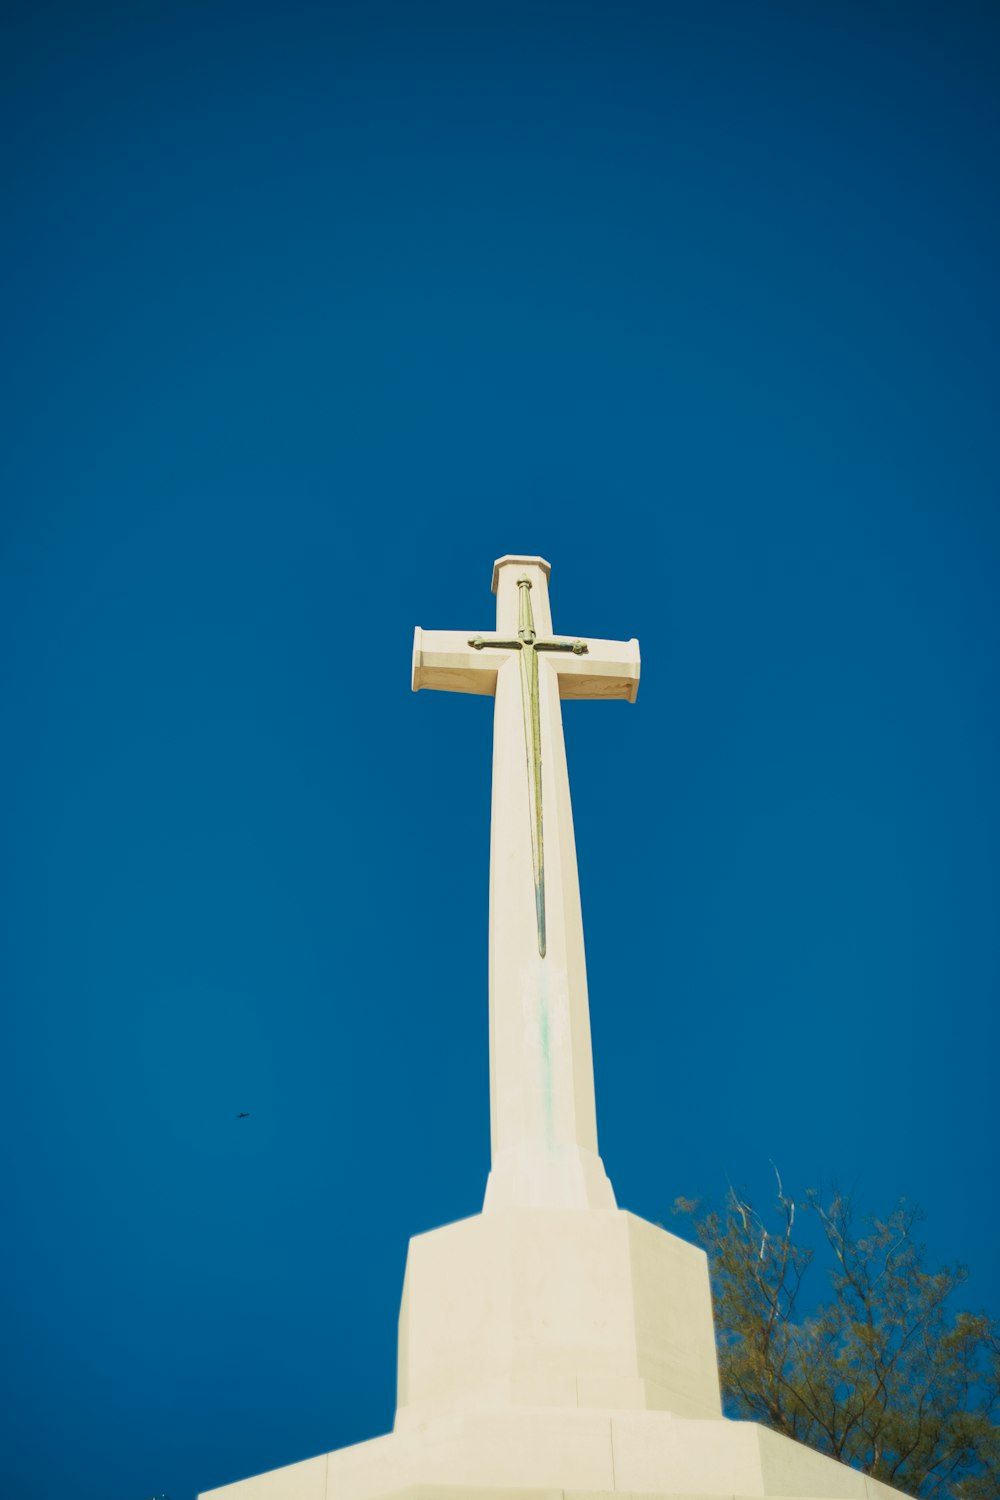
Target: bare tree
880	1373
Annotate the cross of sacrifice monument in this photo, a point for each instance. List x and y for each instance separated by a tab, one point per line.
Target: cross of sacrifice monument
553	1346
542	1115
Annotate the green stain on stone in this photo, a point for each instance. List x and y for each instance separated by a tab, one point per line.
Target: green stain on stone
545	1040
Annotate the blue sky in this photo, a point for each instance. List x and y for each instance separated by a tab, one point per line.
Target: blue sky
311	312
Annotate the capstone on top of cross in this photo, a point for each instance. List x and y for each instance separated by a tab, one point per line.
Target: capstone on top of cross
517	557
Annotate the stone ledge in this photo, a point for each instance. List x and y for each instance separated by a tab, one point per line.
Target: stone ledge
541	1454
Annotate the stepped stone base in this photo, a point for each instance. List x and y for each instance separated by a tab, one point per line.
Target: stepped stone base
560	1354
545	1454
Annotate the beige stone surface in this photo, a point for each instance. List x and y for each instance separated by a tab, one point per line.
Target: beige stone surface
559	1308
687	1456
303	1481
876	1490
535	1452
789	1468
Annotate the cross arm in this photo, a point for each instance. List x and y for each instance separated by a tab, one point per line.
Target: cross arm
608	669
446	660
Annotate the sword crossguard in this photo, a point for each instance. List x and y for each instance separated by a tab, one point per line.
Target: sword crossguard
478	642
578	648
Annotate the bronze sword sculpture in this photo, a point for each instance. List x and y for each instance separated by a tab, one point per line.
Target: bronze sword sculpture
527	644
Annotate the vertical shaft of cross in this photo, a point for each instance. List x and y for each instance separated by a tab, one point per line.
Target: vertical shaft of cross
542	1118
542	1109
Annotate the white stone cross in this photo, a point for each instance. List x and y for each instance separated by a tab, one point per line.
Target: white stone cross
543	1122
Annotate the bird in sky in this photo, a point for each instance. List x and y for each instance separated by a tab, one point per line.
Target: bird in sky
244	1114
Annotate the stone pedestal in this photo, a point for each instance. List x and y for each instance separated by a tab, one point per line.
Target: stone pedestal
569	1309
560	1355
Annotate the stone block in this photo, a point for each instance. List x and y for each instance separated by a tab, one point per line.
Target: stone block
561	1308
790	1468
547	1454
302	1481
